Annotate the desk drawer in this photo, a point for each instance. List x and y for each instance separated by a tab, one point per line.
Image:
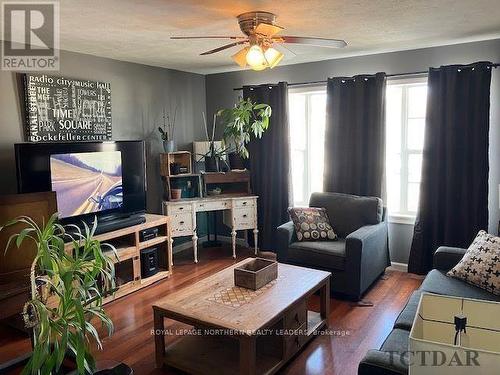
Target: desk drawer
244	218
179	208
244	202
182	224
213	205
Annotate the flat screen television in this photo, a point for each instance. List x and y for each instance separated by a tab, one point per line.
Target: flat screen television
103	179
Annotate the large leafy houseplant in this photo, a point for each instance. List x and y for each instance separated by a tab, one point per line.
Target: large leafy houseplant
244	121
67	290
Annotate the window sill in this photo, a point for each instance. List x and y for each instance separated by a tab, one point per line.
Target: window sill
401	219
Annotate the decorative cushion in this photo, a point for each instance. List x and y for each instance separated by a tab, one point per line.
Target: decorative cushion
311	224
480	265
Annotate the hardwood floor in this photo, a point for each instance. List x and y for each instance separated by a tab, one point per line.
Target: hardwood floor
356	329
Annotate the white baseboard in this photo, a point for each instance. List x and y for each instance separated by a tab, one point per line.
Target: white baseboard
402	267
226	239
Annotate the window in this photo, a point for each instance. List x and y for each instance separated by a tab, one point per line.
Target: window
406	101
307	110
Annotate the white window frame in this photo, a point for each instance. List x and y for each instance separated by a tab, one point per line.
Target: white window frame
405	216
307	90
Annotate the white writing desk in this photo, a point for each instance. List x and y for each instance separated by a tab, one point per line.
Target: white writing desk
240	213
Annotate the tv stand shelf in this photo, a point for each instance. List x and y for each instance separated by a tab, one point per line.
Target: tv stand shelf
128	248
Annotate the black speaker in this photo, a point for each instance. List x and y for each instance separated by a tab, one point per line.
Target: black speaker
149	262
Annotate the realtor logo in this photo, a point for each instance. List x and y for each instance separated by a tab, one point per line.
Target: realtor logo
30	35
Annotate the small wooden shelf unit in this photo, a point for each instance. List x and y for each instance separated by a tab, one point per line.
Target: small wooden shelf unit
128	247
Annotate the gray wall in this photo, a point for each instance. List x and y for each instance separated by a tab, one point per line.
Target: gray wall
138	95
220	94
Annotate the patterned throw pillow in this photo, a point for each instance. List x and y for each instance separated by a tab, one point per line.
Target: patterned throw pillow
312	224
480	265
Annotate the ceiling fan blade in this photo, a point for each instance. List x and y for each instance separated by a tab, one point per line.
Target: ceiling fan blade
223	47
285	50
267	29
320	42
208	37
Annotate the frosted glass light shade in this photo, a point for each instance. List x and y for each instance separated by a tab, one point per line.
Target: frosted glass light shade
255	58
273	57
240	57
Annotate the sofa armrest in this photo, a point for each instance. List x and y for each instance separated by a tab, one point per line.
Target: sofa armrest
445	258
285	235
378	362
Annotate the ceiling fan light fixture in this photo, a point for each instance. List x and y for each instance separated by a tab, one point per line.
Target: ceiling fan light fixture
240	57
273	57
261	33
255	58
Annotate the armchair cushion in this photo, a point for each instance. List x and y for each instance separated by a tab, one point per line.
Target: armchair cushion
320	254
312	224
347	212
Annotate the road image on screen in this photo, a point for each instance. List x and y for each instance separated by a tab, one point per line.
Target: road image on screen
87	182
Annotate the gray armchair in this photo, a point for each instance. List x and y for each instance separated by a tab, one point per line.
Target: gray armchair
357	258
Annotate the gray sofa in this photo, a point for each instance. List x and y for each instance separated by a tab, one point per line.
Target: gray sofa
377	362
357	258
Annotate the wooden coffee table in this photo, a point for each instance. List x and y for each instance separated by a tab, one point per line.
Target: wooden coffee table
239	330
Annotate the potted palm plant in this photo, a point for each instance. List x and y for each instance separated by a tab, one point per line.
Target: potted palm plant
67	291
244	121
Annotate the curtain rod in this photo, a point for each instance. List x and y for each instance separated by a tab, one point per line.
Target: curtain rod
496	65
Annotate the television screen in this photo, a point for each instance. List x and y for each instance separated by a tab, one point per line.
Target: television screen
87	182
90	178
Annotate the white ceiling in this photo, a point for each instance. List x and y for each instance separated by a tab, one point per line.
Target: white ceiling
139	31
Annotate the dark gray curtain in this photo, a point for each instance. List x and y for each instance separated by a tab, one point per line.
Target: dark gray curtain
355	135
269	162
454	185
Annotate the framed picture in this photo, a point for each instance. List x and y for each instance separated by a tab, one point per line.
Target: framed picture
60	109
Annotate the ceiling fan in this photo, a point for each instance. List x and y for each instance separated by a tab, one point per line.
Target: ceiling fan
261	33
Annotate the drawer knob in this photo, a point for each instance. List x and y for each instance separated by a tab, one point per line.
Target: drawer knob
181	222
181	208
244	203
202	205
297	341
297	318
245	215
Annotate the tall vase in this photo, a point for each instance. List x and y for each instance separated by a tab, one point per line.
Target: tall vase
169	146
